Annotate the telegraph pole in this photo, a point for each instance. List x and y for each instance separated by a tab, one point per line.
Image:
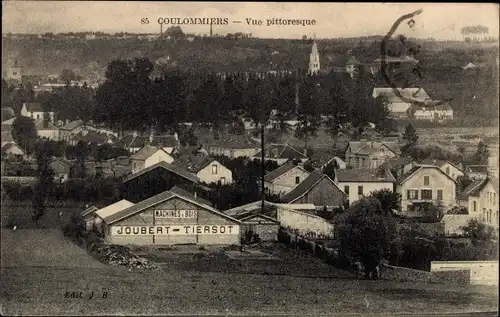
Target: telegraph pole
263	168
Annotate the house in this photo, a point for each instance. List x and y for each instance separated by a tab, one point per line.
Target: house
7	138
233	146
282	153
47	130
171	218
439	112
455	171
285	178
359	183
88	215
92	137
322	157
70	129
157	178
7	124
134	142
370	154
11	150
399	107
481	200
425	184
35	111
398	165
317	189
148	156
476	172
206	168
61	168
100	214
351	66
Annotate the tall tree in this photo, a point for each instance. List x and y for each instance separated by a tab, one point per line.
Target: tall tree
309	111
45	180
367	234
482	154
24	133
410	136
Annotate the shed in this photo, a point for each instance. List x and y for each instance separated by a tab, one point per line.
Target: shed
264	226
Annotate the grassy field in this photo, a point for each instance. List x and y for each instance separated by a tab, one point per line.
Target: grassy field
40	266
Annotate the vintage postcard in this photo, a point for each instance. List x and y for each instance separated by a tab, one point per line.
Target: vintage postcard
249	159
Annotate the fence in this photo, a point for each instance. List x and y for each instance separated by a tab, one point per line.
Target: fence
388	272
480	272
303	222
23	180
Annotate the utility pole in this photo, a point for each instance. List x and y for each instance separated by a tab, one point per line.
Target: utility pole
263	168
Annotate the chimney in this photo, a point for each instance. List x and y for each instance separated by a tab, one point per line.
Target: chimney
305	152
195	195
151	138
134	134
176	136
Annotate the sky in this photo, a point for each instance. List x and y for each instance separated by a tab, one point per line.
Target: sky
440	21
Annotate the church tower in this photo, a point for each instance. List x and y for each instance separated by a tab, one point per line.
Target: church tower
314	60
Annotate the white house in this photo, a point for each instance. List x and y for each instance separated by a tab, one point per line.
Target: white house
45	129
481	200
35	111
285	178
439	112
148	156
425	184
398	107
134	142
360	183
282	153
206	168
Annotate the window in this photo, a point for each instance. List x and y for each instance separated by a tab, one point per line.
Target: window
275	153
37	116
484	214
489	215
426	194
346	190
494	198
412	194
426	180
360	190
474	206
214	169
222	180
439	194
297	179
448	170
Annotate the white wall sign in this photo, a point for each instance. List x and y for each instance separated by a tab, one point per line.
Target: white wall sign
174	230
176	213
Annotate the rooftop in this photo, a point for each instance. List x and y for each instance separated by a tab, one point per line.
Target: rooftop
193	163
285	168
305	186
363	176
164	165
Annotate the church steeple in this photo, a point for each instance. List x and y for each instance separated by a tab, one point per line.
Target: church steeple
314	59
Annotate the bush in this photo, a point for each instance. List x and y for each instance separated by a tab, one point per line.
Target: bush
16	191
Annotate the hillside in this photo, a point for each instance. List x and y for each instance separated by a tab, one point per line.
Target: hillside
90	57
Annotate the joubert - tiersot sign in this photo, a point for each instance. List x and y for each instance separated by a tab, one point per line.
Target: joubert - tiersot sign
175	230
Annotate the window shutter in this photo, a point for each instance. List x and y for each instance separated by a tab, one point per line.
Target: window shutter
408	194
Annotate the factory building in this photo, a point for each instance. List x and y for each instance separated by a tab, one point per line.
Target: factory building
169	218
